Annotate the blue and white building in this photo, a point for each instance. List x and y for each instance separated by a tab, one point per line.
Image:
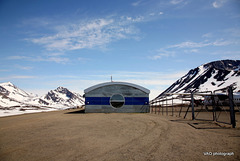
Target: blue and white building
117	97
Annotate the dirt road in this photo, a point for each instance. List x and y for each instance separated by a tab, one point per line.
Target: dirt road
70	136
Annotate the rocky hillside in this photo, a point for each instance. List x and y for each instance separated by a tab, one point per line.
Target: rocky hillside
208	77
62	97
12	97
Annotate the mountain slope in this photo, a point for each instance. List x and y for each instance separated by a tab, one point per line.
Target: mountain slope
62	97
11	96
208	77
10	90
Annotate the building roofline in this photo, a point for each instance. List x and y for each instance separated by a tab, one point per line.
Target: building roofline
117	83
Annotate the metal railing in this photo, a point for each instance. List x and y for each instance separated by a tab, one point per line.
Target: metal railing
194	106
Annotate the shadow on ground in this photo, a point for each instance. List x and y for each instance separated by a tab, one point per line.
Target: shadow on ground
198	124
81	111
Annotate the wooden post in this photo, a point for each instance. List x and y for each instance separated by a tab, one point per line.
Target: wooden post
187	111
162	107
214	108
192	101
166	106
232	112
155	107
151	108
181	108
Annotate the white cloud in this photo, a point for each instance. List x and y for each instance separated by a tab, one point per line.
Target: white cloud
24	67
218	3
190	47
160	13
176	1
23	77
161	53
207	35
222	42
190	44
191	51
55	54
126	20
152	14
17	57
55	59
89	34
17	77
136	3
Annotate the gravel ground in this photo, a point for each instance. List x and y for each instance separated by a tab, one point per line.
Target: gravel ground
69	135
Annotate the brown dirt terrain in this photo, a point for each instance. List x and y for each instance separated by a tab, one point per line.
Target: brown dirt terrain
69	135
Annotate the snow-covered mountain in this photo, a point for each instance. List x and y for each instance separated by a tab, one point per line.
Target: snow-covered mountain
13	97
208	77
10	95
62	97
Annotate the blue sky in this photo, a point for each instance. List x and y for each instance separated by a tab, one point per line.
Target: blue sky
76	44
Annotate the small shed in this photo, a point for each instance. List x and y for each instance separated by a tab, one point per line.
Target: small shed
116	97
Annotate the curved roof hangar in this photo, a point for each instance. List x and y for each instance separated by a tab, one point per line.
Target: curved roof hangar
117	83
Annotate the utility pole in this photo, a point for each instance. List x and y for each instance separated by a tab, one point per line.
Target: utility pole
192	103
232	112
